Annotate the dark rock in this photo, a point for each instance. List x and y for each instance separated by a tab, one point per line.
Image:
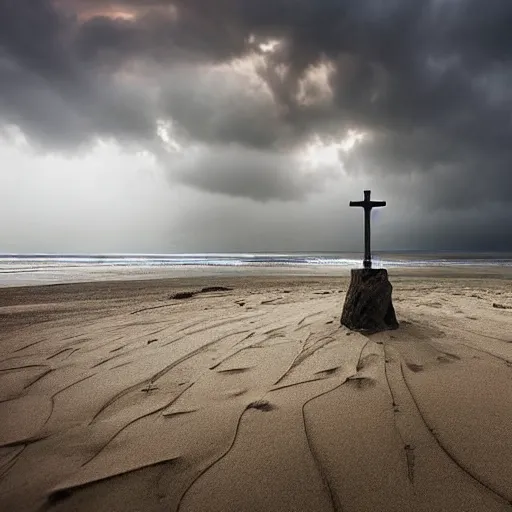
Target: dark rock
500	306
183	295
368	306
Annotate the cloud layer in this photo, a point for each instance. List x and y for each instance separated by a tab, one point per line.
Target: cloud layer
242	87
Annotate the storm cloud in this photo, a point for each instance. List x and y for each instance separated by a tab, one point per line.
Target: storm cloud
228	96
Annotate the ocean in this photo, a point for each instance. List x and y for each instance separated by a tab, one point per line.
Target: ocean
39	269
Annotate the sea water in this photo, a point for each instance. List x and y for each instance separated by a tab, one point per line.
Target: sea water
32	269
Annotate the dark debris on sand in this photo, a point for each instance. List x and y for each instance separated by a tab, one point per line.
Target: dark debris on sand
183	295
500	306
207	289
261	405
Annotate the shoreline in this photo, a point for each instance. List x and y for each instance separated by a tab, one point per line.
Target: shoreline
259	272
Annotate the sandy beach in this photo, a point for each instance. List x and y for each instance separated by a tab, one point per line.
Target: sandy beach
247	394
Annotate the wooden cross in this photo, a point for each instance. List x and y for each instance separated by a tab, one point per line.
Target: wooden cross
367	204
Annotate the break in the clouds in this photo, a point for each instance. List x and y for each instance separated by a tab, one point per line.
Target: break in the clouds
271	107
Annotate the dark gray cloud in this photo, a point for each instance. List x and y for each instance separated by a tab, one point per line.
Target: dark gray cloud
429	81
215	106
249	173
47	90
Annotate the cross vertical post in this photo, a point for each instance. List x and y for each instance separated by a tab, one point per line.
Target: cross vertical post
367	204
367	262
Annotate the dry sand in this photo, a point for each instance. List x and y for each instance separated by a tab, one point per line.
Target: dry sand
115	397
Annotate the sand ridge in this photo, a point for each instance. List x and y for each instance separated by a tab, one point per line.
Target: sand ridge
255	398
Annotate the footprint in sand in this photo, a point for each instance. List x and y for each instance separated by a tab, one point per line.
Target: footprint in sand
261	405
361	382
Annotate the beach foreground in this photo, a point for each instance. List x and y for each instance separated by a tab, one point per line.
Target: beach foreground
115	397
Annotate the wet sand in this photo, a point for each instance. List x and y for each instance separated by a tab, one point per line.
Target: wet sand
116	397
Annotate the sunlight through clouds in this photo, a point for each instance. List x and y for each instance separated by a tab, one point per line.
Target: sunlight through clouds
319	153
314	86
352	139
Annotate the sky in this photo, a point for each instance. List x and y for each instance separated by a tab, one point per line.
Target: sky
164	126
